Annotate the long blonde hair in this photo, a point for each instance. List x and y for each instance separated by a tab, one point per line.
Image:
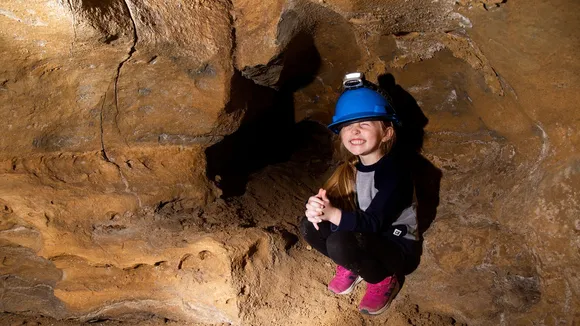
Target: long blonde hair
341	186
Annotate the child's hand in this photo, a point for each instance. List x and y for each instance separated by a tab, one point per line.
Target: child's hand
329	212
314	208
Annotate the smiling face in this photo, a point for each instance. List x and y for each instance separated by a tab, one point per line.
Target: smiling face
364	139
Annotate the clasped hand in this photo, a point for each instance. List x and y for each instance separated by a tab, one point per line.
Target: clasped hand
319	208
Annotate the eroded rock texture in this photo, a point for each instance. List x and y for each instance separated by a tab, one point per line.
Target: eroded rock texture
109	108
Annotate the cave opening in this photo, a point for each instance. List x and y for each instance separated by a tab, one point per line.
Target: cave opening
269	133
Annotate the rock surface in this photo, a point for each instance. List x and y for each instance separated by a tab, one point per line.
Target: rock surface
113	111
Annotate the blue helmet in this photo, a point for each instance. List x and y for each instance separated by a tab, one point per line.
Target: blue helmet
361	104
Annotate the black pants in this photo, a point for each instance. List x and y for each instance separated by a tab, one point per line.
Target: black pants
370	255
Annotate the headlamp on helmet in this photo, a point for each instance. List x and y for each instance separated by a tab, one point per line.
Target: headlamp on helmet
353	80
361	100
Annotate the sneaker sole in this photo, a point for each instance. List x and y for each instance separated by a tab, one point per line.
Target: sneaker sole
349	290
386	306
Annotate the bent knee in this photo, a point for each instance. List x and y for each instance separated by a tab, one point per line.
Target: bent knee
341	244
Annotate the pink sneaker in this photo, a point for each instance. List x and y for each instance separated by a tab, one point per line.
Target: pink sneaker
379	296
344	281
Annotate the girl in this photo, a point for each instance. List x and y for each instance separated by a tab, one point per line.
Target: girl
364	218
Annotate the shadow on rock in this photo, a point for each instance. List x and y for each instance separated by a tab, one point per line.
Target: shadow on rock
267	134
426	176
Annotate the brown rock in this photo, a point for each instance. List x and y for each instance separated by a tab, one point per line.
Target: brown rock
109	108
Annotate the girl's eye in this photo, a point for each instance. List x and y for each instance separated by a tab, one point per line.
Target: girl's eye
364	124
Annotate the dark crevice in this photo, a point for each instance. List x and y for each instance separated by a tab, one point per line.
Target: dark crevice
103	151
110	39
136	266
182	260
493	5
268	133
233	32
403	33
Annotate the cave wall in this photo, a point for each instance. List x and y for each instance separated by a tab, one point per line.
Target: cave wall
109	107
84	87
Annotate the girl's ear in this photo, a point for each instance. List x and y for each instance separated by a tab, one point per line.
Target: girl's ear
388	134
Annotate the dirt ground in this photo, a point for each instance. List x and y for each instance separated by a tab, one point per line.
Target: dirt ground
401	313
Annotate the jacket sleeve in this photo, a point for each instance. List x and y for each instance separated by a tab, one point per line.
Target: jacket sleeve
394	191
